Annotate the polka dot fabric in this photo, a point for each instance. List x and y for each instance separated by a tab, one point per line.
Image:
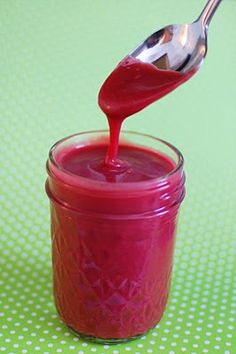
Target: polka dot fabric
54	57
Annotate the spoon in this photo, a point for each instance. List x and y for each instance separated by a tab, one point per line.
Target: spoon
179	48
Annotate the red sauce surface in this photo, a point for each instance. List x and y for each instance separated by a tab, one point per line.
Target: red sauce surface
136	164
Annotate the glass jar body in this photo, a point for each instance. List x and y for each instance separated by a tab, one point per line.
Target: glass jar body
112	250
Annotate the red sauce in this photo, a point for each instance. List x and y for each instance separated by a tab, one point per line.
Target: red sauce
132	86
113	234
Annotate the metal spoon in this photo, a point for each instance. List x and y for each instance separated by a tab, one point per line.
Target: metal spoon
180	48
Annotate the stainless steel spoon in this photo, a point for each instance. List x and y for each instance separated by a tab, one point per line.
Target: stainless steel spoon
180	48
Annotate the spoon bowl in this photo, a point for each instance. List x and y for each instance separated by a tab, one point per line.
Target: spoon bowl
179	48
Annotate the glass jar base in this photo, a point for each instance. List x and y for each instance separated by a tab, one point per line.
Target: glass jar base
104	340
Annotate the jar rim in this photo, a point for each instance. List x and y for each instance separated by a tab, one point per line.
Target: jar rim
73	179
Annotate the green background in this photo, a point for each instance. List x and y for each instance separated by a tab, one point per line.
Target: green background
54	57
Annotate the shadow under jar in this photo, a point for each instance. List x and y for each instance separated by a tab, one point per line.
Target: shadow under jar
112	241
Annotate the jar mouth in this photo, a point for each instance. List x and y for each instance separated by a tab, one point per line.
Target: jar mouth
72	179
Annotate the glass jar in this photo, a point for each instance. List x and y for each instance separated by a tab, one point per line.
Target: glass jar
112	243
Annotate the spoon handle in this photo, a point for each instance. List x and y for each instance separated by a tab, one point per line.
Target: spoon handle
208	12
